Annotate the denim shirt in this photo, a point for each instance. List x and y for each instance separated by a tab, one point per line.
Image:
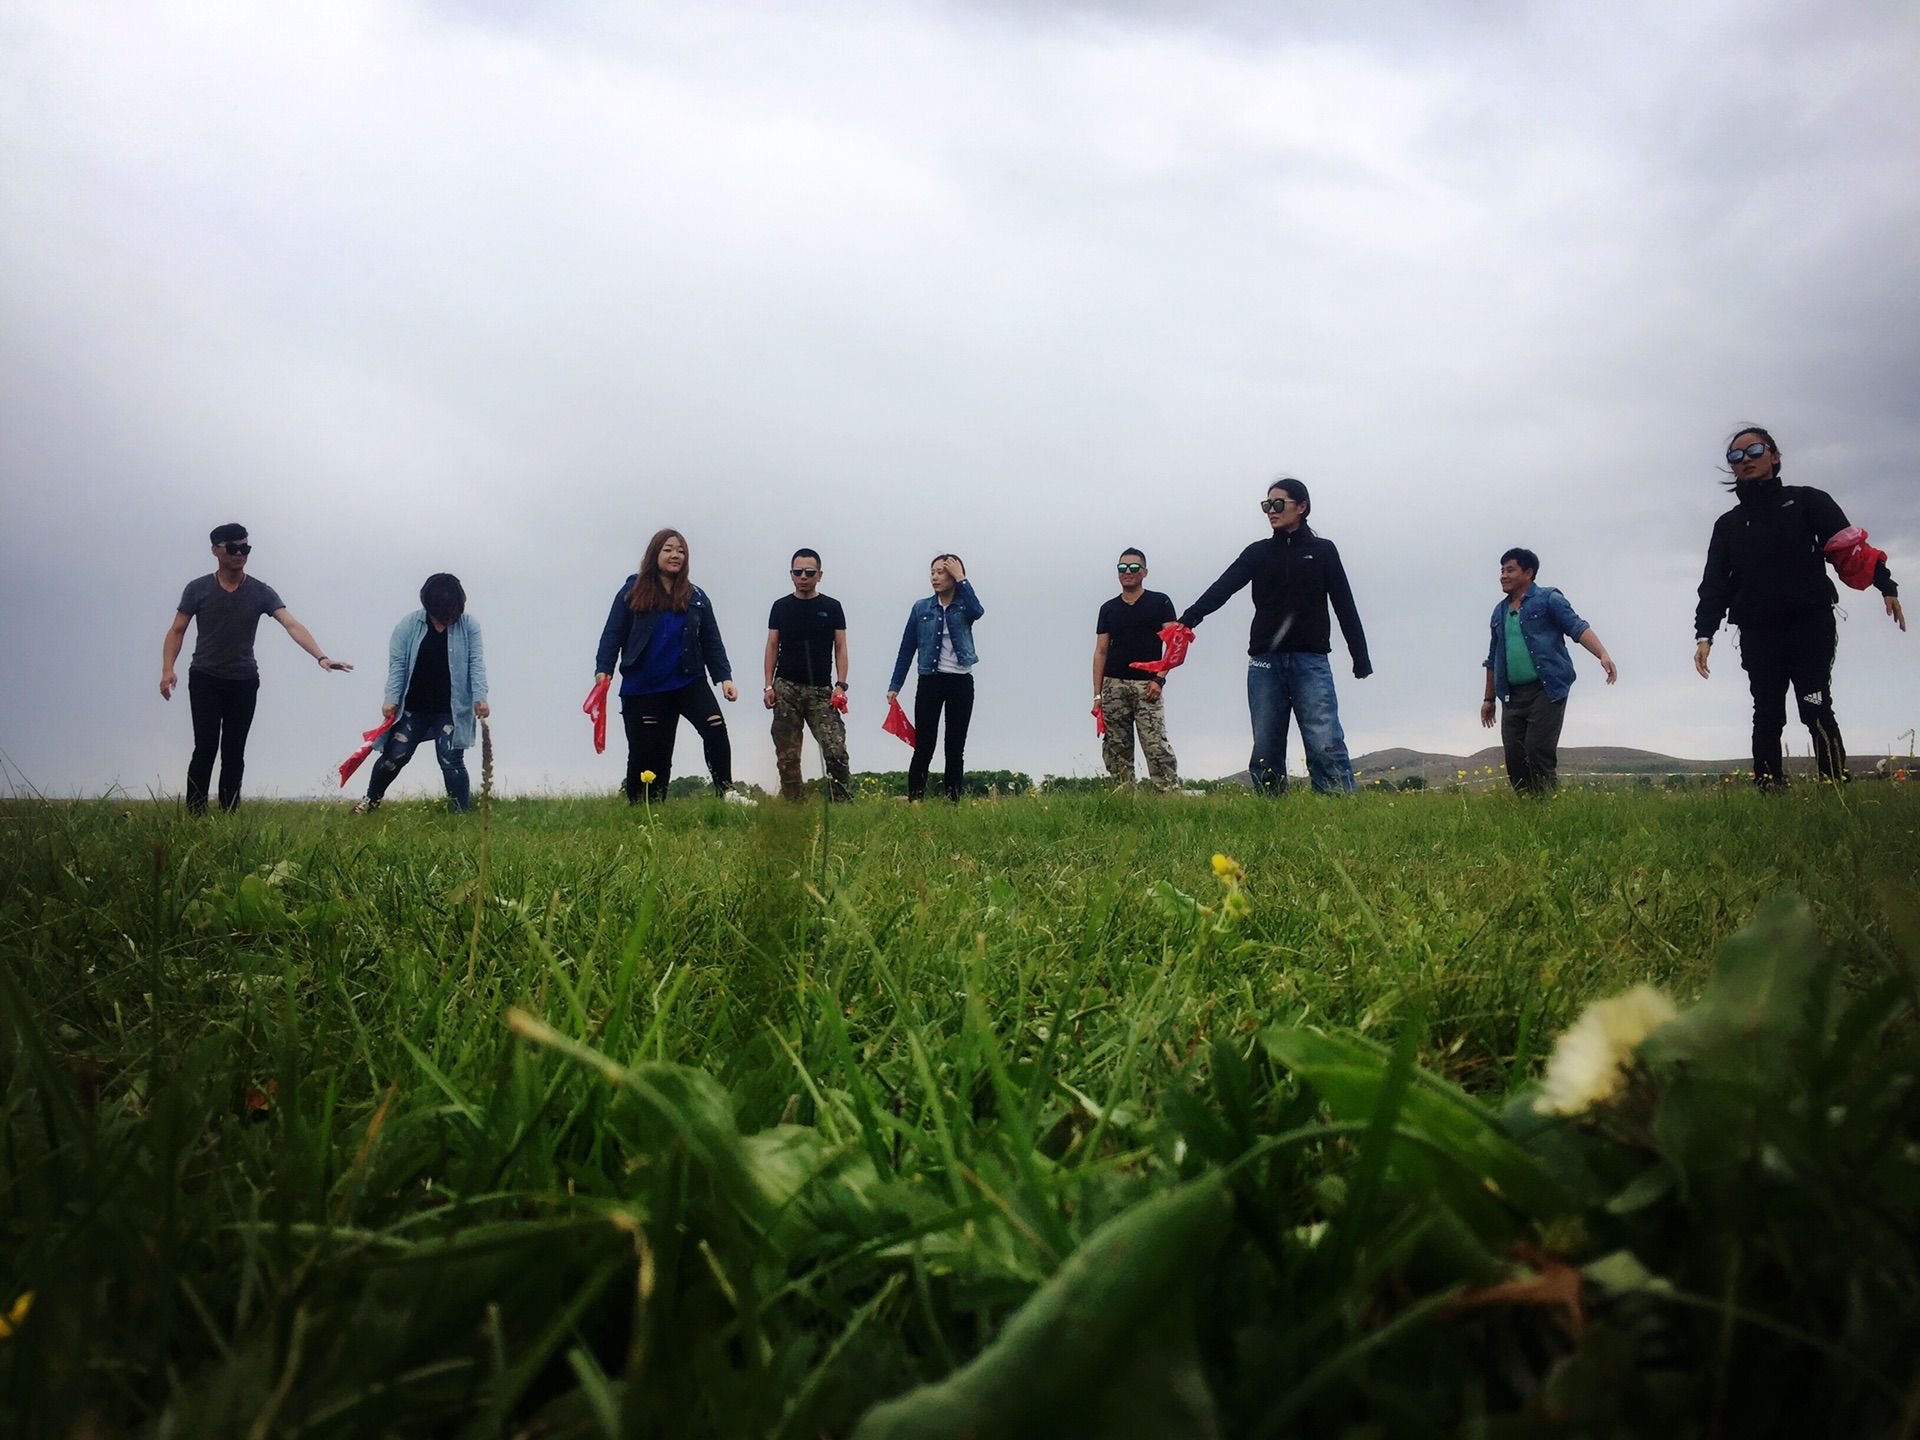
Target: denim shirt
625	635
1547	622
466	669
922	634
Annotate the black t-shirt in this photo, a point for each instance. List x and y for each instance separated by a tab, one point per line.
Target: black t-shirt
806	629
430	687
1133	633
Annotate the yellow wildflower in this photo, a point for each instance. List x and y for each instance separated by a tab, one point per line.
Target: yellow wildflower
1228	869
646	777
1590	1061
10	1321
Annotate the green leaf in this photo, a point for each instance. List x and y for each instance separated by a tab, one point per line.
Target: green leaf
1755	1004
1106	1347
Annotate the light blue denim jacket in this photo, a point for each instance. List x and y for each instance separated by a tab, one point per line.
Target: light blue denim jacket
1547	622
466	668
923	632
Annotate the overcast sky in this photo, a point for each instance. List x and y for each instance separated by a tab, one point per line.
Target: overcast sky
501	288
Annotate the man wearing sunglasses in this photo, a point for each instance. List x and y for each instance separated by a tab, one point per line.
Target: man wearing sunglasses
1128	630
807	643
1766	572
223	679
1296	574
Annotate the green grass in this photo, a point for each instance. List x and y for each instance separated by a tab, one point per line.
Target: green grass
798	1117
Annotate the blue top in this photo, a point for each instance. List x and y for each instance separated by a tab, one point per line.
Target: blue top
466	670
659	667
926	621
625	638
1547	622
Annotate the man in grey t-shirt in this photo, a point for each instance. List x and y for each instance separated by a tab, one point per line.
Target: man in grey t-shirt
223	680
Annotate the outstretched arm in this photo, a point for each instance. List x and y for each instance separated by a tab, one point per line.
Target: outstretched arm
1231	581
1590	642
304	639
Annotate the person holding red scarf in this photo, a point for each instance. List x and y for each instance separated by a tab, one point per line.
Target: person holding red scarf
1766	574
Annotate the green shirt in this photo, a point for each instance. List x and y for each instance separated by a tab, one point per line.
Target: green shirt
1520	669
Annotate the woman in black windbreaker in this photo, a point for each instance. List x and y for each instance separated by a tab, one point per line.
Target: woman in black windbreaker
1766	573
662	636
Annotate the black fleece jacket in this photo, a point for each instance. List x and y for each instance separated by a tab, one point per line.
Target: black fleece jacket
1764	563
1295	575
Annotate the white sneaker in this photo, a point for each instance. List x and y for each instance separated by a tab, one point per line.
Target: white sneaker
739	797
366	806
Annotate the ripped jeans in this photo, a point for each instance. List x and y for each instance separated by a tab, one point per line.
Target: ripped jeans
408	731
651	722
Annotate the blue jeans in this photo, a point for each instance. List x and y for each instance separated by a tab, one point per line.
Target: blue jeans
1280	686
407	732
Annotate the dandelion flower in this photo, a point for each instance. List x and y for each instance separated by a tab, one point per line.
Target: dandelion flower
1228	869
1590	1061
10	1322
646	777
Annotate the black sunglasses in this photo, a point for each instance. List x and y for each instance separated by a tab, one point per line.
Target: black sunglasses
1750	452
236	547
1130	568
1274	507
802	572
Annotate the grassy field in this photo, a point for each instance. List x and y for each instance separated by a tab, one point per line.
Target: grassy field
565	1119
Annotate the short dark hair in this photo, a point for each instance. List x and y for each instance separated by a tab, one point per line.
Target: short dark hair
1763	433
443	598
1524	558
1134	550
945	555
226	534
813	555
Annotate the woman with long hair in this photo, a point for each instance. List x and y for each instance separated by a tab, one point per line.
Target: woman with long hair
662	635
1295	575
938	642
1766	573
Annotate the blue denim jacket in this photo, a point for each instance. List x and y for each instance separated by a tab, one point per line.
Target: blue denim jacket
923	632
624	638
466	669
1547	622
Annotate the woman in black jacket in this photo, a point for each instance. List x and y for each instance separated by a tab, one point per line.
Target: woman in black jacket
1766	573
662	634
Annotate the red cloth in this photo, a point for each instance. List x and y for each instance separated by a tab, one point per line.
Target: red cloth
595	706
897	723
839	701
352	762
1174	639
1852	558
1099	719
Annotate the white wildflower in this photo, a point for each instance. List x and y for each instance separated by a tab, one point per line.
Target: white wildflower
1590	1061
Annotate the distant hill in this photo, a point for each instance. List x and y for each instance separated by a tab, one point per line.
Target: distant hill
1577	762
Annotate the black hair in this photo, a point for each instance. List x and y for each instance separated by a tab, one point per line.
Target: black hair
1524	558
813	555
948	555
1296	491
1763	433
226	534
1134	550
443	598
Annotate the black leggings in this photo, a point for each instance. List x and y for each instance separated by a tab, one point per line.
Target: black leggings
1795	653
222	715
954	694
651	722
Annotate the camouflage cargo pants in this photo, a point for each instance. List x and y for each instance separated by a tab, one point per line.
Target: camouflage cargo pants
1125	705
808	707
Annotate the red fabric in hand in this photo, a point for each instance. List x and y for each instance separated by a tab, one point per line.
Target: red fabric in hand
1852	558
839	701
1099	719
352	762
897	723
595	706
1174	640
